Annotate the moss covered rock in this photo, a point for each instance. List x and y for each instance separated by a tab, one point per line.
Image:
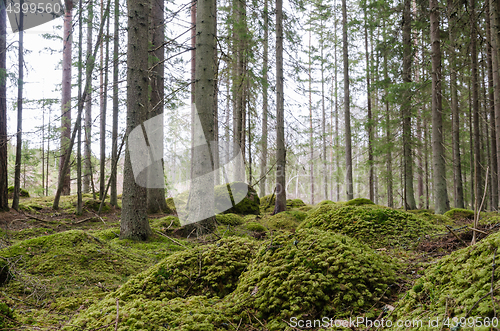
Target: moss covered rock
359	202
23	193
460	214
163	223
229	219
267	203
285	220
255	227
311	274
249	201
376	226
294	203
454	285
95	204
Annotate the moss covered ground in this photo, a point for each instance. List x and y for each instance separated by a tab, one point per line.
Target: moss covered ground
256	272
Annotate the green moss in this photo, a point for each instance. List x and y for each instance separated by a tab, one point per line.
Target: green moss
326	202
454	285
171	205
286	220
255	227
229	219
23	193
170	222
6	317
376	226
94	205
429	216
311	273
267	203
294	203
359	202
306	208
31	233
249	201
460	214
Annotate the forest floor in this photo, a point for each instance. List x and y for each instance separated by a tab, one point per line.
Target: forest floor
63	267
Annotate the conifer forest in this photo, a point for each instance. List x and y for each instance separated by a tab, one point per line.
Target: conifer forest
249	165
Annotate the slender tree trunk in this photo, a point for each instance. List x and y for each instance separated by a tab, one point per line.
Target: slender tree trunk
134	222
495	52
280	204
311	140
347	113
491	107
193	77
156	180
388	135
88	108
216	155
66	95
409	196
370	117
79	203
19	141
440	192
4	204
104	105
337	159
323	112
263	164
113	200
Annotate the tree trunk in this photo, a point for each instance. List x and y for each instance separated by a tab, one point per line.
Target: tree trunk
311	140
370	119
263	164
491	107
4	204
134	222
156	180
440	191
495	51
19	141
113	199
79	203
280	204
323	122
88	109
388	135
66	96
409	196
104	105
347	113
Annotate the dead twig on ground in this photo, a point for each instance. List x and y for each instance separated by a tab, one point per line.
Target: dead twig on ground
453	233
174	241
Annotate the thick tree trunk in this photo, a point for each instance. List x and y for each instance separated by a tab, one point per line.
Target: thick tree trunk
19	140
134	222
263	164
66	95
88	109
4	204
491	107
440	192
280	204
156	190
347	112
113	199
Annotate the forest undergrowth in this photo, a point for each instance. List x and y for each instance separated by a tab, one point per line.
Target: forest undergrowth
325	265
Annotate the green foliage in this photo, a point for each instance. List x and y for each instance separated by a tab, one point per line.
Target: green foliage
454	285
460	214
22	192
359	202
311	273
376	226
229	219
255	227
6	317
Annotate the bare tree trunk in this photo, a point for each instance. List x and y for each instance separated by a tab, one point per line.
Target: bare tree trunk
4	204
323	122
88	108
388	135
134	222
409	196
113	199
104	105
347	113
79	203
337	159
156	193
495	51
263	164
19	141
370	118
491	107
440	192
311	140
66	95
280	204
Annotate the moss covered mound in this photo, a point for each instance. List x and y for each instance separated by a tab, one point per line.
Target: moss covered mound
7	321
229	219
376	226
359	202
311	273
255	227
267	203
94	205
73	257
460	214
294	203
455	284
167	222
249	202
23	193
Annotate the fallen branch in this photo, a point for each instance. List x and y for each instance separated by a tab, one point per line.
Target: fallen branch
454	234
176	242
85	220
476	230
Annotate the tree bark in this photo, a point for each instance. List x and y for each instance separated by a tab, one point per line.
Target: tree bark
134	222
113	199
88	109
369	115
388	133
347	113
66	95
495	51
263	164
439	171
311	140
19	140
280	204
4	204
156	195
79	202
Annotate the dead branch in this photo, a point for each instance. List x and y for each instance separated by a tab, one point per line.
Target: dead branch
174	241
453	233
